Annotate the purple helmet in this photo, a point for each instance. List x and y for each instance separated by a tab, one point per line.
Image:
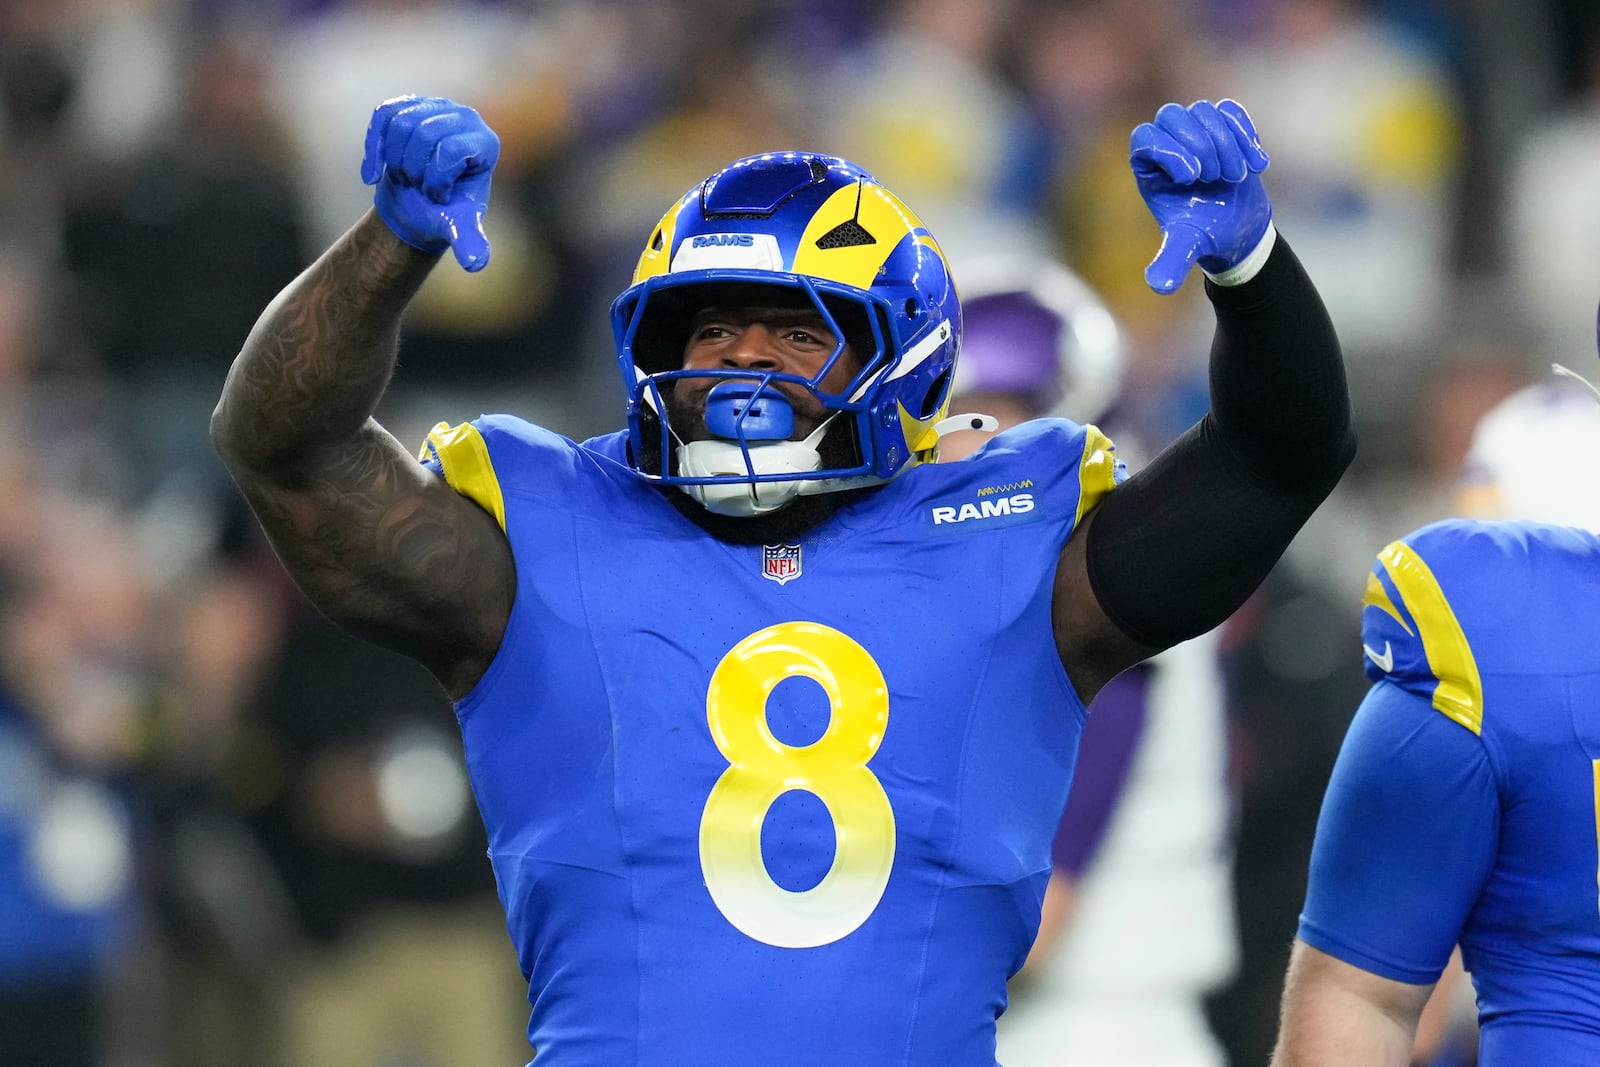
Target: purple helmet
1034	330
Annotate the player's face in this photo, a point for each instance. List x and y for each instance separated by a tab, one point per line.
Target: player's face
786	338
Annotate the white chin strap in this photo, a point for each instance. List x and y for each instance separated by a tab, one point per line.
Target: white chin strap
725	459
744	499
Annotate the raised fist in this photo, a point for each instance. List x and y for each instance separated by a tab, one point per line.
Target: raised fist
1199	171
431	160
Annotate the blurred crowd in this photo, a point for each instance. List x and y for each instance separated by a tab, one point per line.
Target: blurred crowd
229	833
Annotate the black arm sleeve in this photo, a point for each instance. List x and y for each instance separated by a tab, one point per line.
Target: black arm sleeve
1180	545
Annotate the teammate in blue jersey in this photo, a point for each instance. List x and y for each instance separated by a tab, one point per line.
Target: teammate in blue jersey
770	719
1462	808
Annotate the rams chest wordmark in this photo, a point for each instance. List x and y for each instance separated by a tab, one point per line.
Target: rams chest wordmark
1017	504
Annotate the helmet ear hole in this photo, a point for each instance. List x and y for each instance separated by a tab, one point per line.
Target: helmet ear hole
933	399
913	308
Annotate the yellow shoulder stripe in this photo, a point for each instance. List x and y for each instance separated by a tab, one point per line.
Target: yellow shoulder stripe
1376	596
1097	471
1596	766
1459	695
464	455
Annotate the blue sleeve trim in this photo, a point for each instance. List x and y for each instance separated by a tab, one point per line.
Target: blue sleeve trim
1382	966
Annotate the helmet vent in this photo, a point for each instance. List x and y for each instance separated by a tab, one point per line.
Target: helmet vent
819	169
655	241
846	235
934	396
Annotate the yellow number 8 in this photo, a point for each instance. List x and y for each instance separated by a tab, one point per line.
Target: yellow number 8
761	769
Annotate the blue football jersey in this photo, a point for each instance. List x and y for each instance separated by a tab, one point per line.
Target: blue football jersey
784	804
1463	804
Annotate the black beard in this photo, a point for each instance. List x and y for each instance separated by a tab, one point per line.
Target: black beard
790	522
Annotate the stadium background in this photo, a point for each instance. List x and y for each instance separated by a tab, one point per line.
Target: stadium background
223	826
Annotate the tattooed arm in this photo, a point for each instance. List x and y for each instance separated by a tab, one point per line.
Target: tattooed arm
379	543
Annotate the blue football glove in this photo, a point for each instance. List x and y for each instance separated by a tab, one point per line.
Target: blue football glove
1199	171
432	160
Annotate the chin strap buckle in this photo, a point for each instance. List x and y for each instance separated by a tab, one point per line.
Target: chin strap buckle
973	421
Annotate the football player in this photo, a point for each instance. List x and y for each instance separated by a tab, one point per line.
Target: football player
771	720
1462	809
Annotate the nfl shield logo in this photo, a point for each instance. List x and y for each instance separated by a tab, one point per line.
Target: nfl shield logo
781	563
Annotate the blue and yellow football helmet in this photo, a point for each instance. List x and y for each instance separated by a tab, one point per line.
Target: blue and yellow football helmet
824	227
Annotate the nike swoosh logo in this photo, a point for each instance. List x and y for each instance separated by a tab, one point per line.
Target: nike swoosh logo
1385	662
